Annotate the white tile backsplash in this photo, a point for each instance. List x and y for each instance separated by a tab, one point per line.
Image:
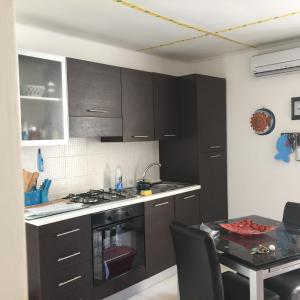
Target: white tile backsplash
89	164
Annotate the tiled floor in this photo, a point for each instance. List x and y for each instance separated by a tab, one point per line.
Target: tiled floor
166	290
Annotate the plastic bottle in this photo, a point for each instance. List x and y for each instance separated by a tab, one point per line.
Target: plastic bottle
118	180
40	161
25	132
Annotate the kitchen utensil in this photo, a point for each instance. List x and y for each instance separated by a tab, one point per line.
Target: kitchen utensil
33	181
247	227
26	179
45	190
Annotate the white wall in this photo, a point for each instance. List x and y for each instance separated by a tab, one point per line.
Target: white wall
31	38
258	184
12	250
88	164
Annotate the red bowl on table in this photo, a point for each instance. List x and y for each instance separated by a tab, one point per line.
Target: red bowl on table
247	227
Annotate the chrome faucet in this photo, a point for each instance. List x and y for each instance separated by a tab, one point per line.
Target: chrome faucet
148	167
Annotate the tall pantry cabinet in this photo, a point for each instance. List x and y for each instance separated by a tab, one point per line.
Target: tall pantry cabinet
198	155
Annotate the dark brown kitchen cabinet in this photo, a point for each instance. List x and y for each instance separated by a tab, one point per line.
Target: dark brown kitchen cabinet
165	106
211	94
137	105
187	208
94	90
94	93
159	246
213	178
199	154
59	257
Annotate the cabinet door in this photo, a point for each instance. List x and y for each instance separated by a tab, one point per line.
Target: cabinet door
159	246
166	119
43	96
212	113
94	90
187	209
213	180
137	105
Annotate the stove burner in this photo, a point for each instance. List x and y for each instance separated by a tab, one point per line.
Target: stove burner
97	196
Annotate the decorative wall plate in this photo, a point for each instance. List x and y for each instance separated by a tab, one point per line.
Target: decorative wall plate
263	121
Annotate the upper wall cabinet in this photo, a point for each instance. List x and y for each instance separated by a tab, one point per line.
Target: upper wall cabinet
165	106
94	92
137	105
43	96
211	94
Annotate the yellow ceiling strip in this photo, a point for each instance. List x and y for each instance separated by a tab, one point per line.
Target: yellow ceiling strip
176	22
257	22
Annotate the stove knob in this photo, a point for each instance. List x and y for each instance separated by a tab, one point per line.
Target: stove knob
109	218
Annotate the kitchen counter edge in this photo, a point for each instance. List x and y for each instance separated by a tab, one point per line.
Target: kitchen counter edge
102	207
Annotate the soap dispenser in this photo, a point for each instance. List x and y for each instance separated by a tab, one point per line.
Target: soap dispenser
118	180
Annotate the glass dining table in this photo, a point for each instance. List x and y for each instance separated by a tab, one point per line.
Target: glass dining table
236	252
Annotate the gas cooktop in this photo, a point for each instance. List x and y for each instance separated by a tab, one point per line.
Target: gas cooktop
102	196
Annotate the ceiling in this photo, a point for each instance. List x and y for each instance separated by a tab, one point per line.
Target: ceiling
176	29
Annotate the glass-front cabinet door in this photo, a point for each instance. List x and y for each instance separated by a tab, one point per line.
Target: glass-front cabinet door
43	96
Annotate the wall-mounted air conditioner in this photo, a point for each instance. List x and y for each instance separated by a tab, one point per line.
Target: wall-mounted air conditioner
276	62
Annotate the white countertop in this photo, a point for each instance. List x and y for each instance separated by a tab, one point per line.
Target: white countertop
102	207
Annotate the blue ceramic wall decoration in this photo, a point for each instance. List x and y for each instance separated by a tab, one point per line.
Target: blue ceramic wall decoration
263	121
284	148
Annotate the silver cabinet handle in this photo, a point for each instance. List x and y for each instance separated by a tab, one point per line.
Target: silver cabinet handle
214	156
169	135
189	197
69	281
97	110
140	136
214	147
161	204
68	232
67	257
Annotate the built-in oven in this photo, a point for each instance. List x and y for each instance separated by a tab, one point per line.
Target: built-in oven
118	242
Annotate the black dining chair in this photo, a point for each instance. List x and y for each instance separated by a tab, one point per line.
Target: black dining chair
287	285
199	272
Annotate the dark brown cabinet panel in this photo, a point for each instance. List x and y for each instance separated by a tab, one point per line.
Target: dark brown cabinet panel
94	90
59	257
187	208
159	246
137	105
212	113
84	127
199	155
66	283
166	121
213	178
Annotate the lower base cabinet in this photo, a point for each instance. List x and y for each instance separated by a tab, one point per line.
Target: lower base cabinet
159	245
60	265
187	208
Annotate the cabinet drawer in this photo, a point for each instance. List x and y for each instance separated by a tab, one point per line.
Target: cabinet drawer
78	294
187	208
65	244
67	283
71	228
59	254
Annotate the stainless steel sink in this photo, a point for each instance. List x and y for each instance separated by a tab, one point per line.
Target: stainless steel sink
166	186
